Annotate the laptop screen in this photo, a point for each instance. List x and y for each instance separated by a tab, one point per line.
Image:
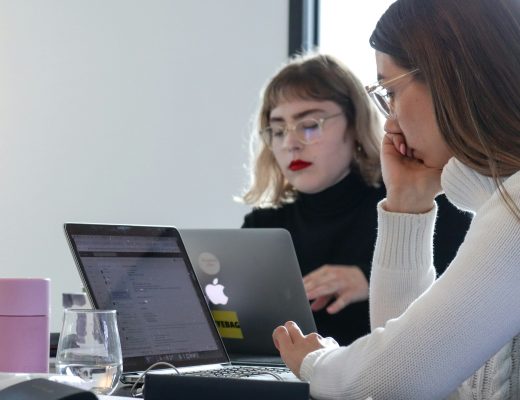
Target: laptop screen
144	273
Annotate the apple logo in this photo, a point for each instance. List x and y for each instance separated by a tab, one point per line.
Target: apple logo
215	292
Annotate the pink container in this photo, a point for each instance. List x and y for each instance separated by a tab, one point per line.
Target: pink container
24	325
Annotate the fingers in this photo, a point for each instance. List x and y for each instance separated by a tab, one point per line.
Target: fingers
314	278
294	346
294	331
339	304
334	307
324	280
281	338
398	142
286	335
325	289
344	284
320	303
337	281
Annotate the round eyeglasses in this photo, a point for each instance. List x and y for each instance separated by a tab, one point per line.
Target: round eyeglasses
382	97
306	131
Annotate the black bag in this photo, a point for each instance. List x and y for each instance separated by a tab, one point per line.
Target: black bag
43	389
181	387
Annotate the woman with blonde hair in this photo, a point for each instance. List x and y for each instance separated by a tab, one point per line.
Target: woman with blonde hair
317	174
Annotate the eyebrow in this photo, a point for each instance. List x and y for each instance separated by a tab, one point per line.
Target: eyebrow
297	115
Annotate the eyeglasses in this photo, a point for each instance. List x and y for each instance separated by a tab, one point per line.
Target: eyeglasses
382	97
307	131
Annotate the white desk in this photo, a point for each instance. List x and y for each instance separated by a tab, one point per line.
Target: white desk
8	379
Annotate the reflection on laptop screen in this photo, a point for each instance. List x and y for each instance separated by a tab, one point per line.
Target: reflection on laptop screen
161	314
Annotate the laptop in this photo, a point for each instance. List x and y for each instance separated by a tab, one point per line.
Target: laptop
253	283
145	274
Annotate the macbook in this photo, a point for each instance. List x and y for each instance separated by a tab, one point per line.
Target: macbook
145	274
253	283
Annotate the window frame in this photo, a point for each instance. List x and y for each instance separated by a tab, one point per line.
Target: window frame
303	26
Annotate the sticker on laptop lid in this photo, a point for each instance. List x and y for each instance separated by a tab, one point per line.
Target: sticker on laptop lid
227	324
209	263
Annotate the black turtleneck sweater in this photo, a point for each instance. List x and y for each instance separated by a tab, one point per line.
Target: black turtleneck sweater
339	226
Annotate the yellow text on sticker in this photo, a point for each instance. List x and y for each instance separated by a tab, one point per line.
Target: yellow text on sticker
227	324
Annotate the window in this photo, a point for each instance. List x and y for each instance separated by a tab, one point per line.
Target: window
344	27
337	27
303	25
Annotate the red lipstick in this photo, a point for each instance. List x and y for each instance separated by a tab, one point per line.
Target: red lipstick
297	165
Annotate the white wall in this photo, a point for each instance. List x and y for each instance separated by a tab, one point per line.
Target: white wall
129	111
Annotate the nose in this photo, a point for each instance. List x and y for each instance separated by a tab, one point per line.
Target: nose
392	125
291	142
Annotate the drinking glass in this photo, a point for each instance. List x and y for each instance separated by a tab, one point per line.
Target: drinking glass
89	348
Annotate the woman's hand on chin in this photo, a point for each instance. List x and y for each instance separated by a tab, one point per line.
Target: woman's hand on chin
411	186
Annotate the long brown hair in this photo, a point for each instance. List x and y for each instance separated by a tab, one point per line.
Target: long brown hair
315	77
468	54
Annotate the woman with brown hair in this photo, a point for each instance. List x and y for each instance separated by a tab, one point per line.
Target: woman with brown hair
449	90
317	174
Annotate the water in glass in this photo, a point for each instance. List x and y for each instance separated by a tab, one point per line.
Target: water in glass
89	348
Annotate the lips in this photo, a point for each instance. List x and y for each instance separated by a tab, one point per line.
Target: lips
297	165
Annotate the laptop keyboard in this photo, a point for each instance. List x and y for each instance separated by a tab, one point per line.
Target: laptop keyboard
242	372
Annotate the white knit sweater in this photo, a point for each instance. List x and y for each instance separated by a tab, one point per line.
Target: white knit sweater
430	336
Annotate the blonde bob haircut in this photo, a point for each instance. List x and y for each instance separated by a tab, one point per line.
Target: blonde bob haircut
322	78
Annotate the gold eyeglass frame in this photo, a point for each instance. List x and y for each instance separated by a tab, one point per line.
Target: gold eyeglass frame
288	128
379	99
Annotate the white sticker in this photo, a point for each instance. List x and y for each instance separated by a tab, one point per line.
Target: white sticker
209	263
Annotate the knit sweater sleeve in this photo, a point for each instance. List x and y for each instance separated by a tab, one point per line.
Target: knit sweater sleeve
401	275
428	337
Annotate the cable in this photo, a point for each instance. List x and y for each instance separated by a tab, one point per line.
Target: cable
277	377
135	391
